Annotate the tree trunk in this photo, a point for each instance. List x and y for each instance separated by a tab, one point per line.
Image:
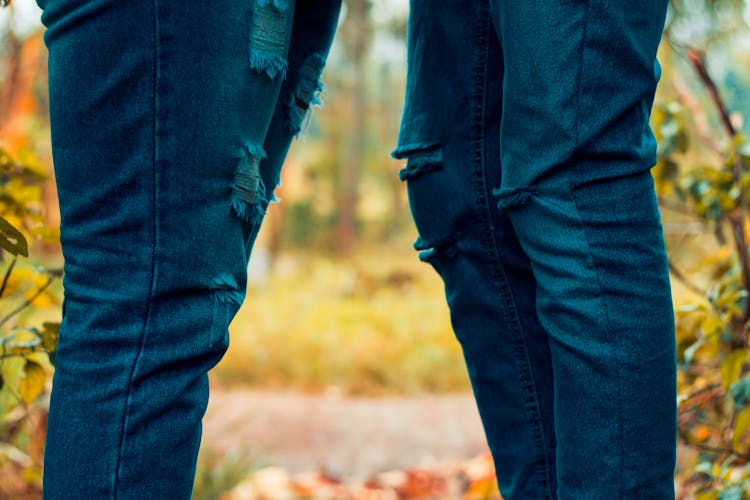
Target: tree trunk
357	39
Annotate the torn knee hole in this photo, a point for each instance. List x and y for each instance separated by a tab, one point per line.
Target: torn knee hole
304	106
513	198
428	250
268	38
248	192
307	92
226	290
280	5
420	162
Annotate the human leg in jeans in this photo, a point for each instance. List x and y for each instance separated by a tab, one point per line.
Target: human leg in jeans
170	121
528	151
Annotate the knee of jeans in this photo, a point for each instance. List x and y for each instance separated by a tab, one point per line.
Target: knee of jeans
435	200
249	198
227	296
269	47
226	290
513	198
305	94
251	194
269	37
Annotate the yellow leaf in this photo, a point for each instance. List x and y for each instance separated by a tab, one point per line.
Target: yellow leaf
707	495
740	439
50	334
41	301
731	367
32	163
32	383
711	325
13	284
46	233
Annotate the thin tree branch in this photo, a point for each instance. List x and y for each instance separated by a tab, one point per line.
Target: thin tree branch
697	60
7	275
28	302
24	354
697	114
736	218
677	273
718	450
701	396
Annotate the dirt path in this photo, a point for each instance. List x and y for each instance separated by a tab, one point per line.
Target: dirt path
350	438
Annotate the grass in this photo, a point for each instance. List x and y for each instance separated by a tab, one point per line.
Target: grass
217	473
375	323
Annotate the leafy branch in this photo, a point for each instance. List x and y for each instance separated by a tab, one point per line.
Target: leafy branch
713	417
735	217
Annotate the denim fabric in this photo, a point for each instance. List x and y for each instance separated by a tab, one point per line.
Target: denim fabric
528	151
170	122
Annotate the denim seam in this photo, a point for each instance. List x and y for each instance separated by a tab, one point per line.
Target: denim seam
584	37
483	214
610	334
152	285
579	83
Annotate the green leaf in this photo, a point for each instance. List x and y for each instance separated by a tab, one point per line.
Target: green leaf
706	468
32	383
732	493
12	240
740	391
744	151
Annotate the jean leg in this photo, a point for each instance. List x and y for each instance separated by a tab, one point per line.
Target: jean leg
576	151
312	35
158	116
452	107
603	298
490	293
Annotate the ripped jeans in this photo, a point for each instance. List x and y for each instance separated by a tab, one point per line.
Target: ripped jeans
170	122
528	151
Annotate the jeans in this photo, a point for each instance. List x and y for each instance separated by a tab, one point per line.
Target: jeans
528	151
170	122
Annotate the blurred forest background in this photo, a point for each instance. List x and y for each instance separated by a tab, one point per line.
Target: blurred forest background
338	303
